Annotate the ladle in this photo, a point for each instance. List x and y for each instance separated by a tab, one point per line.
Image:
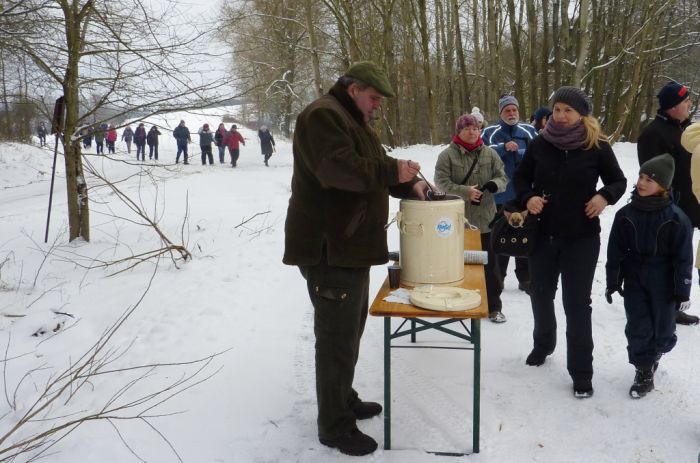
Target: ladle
434	195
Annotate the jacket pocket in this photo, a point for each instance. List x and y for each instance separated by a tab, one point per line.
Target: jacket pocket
331	293
358	217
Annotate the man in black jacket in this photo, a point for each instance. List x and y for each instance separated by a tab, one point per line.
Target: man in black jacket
663	135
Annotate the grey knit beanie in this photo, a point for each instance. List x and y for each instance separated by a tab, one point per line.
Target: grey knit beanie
660	169
505	101
574	97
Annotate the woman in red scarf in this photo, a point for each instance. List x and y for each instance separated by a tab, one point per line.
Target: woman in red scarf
474	171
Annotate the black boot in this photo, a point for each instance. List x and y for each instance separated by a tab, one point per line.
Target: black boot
683	318
364	410
643	383
353	442
583	388
536	357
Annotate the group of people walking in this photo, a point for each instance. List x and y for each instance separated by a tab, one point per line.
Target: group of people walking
222	138
340	185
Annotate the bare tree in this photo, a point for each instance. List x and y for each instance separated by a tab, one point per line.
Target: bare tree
129	56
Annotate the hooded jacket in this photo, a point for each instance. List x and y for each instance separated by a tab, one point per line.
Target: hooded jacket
340	185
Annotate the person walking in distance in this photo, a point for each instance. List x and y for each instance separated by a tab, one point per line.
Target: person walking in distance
127	137
152	140
182	136
557	180
111	138
140	142
41	133
663	135
100	133
334	232
232	139
650	261
509	138
206	137
219	142
267	143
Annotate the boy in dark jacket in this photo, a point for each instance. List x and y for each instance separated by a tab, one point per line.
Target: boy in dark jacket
650	264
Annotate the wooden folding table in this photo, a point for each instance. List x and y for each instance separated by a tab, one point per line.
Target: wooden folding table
420	320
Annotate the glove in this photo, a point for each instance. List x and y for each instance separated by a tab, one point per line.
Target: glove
489	186
684	306
610	291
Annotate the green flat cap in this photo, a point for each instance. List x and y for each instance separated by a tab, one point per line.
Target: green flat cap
371	74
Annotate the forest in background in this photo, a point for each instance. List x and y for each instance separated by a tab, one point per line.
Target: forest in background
445	56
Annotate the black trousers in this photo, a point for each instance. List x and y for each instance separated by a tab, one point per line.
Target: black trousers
206	153
340	297
650	307
574	260
153	151
234	152
181	149
522	268
494	283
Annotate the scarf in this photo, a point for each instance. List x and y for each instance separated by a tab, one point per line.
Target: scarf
649	203
563	137
458	141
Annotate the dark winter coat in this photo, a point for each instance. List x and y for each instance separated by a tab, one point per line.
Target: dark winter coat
340	185
140	135
219	136
206	137
100	133
496	136
152	137
127	135
41	130
653	248
266	141
663	135
568	180
182	135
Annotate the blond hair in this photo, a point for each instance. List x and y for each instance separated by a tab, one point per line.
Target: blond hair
594	134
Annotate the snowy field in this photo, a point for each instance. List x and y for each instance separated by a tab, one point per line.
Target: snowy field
236	298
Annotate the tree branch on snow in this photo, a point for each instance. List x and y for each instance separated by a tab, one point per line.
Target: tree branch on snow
48	419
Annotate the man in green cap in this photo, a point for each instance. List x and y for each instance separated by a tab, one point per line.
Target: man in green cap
335	231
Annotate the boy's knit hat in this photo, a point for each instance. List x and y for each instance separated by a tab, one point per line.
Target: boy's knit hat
574	97
507	100
660	169
672	94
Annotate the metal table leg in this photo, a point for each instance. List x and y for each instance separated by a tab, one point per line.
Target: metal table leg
387	383
476	341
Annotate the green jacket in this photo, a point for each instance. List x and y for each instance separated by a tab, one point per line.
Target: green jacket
451	168
340	185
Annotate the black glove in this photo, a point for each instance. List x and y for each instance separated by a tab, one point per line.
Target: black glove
610	291
489	186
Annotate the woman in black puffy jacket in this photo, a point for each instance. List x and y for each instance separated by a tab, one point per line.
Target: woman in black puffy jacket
557	181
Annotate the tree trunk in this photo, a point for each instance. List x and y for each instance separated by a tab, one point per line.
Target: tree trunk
515	43
313	45
584	38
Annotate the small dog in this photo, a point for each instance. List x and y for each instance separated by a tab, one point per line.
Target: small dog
516	219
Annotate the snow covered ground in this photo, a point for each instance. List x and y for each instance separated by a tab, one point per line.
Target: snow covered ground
236	298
